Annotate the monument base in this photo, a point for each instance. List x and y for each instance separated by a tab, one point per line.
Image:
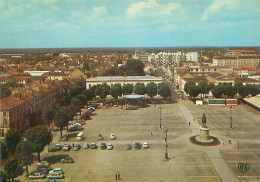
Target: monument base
204	138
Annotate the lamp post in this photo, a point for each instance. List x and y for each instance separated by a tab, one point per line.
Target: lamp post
230	116
160	117
166	144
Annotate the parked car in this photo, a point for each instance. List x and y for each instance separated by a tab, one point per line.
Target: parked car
128	146
75	128
103	146
92	109
109	146
93	146
55	176
100	137
66	147
56	147
137	146
67	160
76	147
76	124
43	164
112	137
145	145
56	170
85	146
37	176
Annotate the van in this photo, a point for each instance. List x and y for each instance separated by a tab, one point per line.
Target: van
56	170
80	136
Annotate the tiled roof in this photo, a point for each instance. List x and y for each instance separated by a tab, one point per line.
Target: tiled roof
10	102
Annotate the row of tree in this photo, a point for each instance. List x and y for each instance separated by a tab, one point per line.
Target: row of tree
22	147
151	89
222	90
131	68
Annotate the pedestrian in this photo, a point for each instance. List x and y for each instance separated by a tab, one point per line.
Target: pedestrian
151	133
229	141
222	142
189	123
116	176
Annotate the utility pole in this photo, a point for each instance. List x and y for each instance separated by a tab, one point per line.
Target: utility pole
166	144
230	116
160	118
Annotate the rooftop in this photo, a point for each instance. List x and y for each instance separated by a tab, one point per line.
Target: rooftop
125	78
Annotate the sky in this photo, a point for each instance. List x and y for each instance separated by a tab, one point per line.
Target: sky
128	23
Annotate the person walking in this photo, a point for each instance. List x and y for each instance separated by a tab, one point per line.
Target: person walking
189	123
151	133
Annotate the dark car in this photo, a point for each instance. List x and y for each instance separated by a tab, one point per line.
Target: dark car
128	146
67	160
57	147
75	128
137	146
103	146
100	137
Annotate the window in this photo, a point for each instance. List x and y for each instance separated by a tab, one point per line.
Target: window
4	113
5	122
2	133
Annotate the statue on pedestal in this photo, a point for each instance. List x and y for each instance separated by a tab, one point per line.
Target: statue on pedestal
204	121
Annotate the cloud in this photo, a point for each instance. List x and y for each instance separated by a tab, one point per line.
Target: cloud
151	8
99	10
216	6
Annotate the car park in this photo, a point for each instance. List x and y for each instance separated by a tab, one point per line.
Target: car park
100	137
76	147
128	146
109	146
112	137
137	146
93	146
66	147
145	145
67	160
85	146
55	176
37	176
103	146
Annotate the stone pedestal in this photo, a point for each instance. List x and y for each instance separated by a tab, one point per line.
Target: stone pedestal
204	133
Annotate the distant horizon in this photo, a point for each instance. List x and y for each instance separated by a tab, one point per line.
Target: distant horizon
128	24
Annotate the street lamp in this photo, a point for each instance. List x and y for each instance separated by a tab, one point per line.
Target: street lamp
230	116
160	118
166	144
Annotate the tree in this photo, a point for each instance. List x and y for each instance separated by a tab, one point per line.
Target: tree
211	86
4	152
203	87
151	89
140	89
127	89
116	91
25	150
243	91
187	85
102	91
252	89
62	117
3	176
134	68
5	91
49	112
218	91
230	91
76	91
76	105
164	90
12	138
87	94
238	85
82	99
11	168
39	137
194	91
110	72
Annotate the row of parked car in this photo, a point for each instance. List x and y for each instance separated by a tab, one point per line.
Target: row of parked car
45	170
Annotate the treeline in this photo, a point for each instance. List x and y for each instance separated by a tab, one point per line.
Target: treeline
131	68
224	90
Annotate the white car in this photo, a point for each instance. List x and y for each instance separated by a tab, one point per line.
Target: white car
112	137
76	124
109	146
145	145
43	164
56	170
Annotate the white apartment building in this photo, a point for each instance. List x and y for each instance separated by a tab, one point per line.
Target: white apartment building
234	62
192	56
